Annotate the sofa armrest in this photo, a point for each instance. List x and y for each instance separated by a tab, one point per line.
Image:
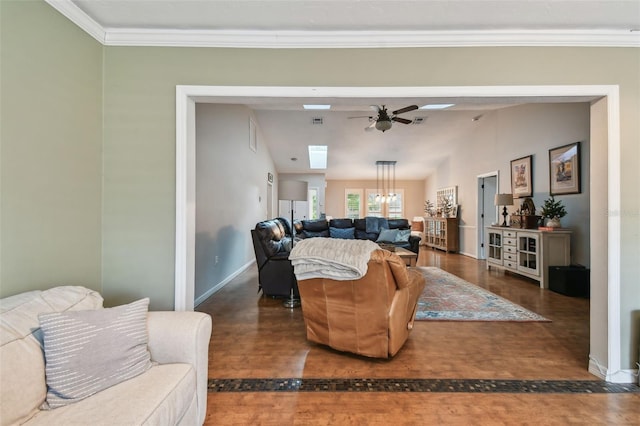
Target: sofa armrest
183	337
414	242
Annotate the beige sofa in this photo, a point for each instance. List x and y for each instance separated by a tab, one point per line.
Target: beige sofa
172	391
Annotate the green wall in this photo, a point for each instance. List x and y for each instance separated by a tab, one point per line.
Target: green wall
50	146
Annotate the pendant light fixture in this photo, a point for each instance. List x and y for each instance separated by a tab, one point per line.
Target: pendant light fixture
386	181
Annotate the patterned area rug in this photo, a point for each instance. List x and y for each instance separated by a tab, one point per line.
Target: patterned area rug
450	298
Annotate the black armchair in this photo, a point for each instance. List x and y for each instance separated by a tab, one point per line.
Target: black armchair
272	246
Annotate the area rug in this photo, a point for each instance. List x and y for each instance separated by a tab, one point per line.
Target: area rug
447	297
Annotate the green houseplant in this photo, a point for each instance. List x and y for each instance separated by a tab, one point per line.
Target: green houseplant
553	210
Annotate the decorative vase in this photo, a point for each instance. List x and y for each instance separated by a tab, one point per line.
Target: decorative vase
553	222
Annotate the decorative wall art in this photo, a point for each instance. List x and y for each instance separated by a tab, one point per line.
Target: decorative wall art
564	169
521	182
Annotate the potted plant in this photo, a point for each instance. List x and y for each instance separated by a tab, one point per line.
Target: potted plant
553	210
429	208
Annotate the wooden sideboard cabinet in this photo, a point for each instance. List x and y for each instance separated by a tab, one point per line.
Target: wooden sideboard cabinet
528	252
441	233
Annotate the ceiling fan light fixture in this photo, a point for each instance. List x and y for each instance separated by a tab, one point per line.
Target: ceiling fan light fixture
383	125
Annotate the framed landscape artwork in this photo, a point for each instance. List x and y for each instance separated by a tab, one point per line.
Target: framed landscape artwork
521	183
564	169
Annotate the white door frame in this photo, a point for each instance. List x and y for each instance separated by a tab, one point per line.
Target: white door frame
269	200
187	96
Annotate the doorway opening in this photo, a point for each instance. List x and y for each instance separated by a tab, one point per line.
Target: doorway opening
487	211
605	341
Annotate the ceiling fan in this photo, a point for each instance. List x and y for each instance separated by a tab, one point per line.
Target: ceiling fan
384	121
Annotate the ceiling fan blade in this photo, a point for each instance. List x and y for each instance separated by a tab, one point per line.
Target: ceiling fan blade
405	109
376	108
362	116
371	126
401	120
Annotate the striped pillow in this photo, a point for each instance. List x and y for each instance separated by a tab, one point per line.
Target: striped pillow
89	351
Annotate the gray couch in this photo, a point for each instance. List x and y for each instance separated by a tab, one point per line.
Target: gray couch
173	391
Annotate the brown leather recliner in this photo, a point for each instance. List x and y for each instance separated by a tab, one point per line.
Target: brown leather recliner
371	316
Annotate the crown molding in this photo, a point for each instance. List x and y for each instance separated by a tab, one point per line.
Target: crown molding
78	17
370	39
343	39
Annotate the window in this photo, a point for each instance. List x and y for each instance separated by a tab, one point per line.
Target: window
374	207
392	209
395	207
353	203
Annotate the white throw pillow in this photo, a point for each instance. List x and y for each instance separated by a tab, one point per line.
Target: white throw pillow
88	351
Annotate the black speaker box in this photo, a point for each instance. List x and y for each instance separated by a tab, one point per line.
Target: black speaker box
571	280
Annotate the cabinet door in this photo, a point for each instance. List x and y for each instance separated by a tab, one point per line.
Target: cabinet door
528	253
494	249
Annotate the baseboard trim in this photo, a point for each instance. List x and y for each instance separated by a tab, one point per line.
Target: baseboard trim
471	255
621	376
222	283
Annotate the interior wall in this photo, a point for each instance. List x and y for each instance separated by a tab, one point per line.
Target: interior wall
413	195
511	133
51	143
226	213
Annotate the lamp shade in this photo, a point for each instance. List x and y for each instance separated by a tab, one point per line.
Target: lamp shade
503	200
294	190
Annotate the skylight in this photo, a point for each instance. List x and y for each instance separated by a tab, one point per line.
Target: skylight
318	156
436	106
317	106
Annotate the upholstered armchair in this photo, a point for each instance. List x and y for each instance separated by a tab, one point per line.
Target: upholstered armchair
272	246
370	316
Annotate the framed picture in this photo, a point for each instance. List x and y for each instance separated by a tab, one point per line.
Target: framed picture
564	169
454	211
521	183
253	140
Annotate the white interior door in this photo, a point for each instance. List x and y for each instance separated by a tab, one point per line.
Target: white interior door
487	189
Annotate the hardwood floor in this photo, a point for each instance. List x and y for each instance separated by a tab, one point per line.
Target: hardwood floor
257	338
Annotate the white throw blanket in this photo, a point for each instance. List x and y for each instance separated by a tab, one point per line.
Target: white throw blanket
332	258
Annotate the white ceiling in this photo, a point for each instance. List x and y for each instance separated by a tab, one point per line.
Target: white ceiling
352	151
363	15
365	23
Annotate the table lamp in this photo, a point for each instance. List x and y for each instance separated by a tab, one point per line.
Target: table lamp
504	200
